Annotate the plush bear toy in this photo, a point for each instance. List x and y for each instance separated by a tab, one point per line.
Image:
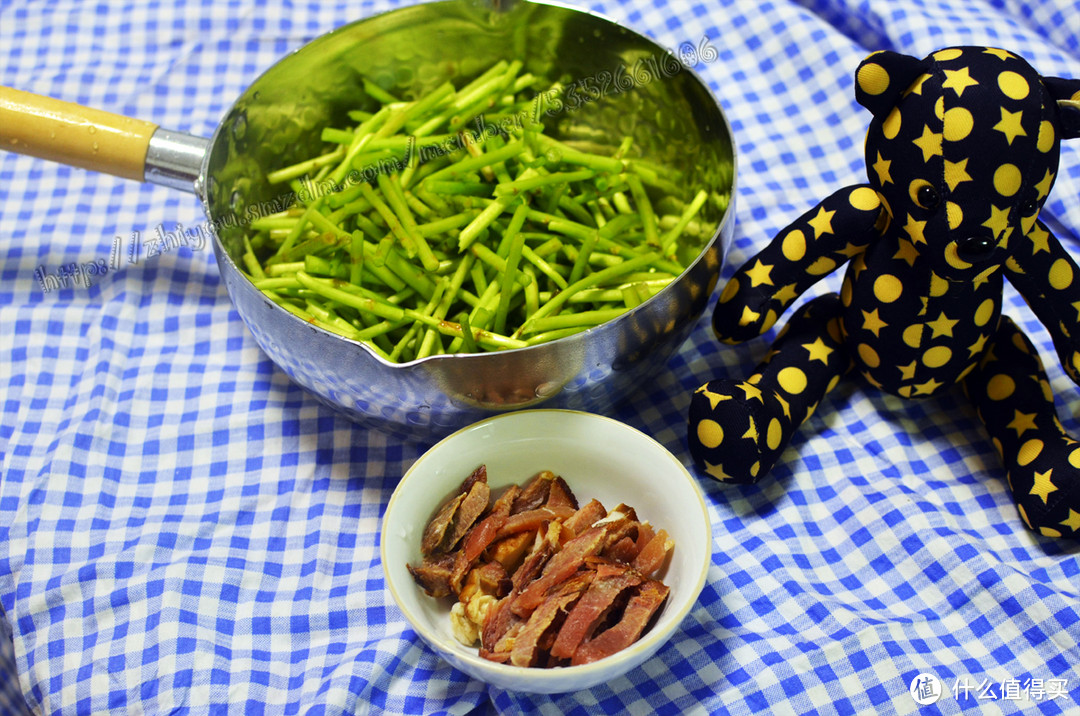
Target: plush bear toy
961	154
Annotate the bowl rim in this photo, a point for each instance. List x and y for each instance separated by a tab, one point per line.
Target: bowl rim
728	218
544	679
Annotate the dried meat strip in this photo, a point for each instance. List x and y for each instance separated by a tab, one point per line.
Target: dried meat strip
433	575
480	537
535	493
565	562
546	617
653	555
436	529
477	475
474	505
528	521
561	499
584	518
625	551
606	587
650	596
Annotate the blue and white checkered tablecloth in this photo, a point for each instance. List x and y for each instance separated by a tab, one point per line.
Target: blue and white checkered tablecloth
183	530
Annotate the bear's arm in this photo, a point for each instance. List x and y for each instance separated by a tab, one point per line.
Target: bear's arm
1048	278
810	248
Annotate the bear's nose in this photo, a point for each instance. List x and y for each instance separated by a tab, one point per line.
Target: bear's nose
975	249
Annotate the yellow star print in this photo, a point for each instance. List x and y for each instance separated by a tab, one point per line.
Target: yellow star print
850	250
784	405
999	53
998	221
929	143
1043	187
751	432
1010	125
1043	485
872	322
759	274
928	387
915	230
907	372
907	252
822	223
1072	521
942	326
955	173
786	294
818	350
748	317
859	264
1039	240
983	276
976	348
881	166
1022	422
752	392
714	398
1027	223
717	471
958	80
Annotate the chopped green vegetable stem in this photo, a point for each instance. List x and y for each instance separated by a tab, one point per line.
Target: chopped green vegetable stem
478	230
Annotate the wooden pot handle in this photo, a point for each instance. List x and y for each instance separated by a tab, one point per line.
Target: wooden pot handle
69	133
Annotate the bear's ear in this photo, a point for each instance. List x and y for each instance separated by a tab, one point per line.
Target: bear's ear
883	76
1067	93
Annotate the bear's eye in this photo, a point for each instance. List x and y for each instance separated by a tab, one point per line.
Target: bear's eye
923	194
926	197
975	249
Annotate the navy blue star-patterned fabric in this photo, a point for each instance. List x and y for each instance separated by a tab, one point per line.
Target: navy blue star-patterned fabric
961	155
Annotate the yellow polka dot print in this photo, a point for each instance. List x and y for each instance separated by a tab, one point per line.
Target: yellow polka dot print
887	288
792	380
710	433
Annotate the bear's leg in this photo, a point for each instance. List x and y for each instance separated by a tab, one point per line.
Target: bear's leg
1042	462
738	429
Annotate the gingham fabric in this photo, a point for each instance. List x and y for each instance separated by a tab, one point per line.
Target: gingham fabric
182	530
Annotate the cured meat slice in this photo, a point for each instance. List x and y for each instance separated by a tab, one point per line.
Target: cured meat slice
639	611
474	505
546	617
565	562
606	587
433	575
480	537
535	493
653	555
561	499
584	518
540	580
625	550
477	475
436	529
528	521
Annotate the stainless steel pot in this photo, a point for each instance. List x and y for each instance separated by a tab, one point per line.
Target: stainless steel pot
671	113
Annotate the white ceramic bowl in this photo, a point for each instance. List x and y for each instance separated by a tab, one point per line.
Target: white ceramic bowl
599	458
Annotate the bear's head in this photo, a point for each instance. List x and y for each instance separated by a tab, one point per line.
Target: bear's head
963	150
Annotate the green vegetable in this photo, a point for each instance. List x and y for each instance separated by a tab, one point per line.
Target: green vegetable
453	223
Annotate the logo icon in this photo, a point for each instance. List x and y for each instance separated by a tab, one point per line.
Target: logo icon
925	689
